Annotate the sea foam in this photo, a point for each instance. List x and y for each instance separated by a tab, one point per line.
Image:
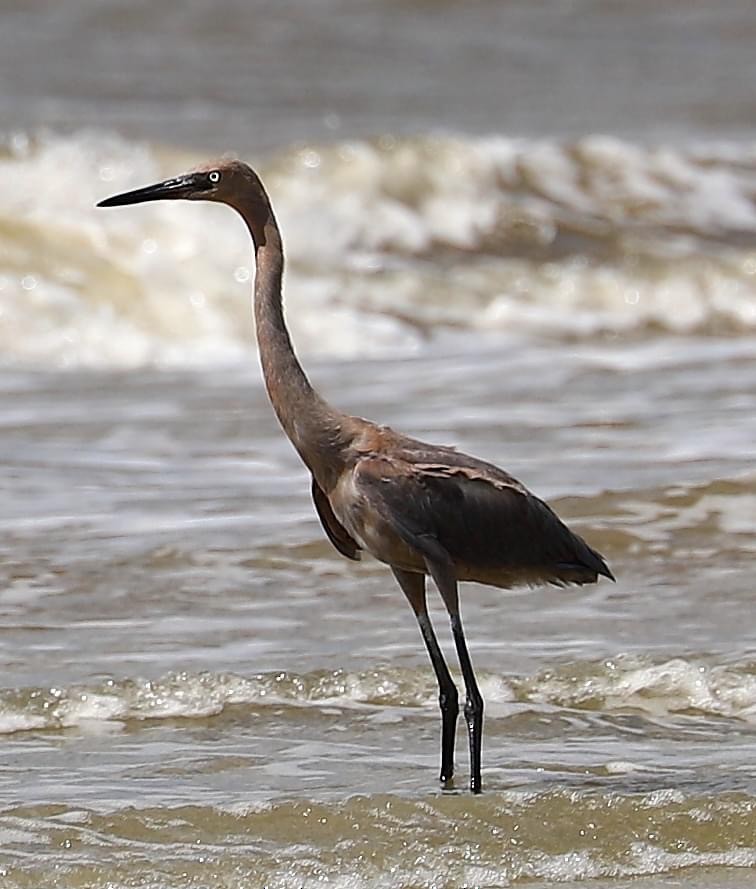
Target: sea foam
388	242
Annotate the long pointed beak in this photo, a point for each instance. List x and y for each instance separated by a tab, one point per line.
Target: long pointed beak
171	189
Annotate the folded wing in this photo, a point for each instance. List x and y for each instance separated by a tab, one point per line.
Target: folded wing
487	522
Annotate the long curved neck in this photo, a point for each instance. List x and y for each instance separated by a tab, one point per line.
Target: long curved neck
317	431
290	392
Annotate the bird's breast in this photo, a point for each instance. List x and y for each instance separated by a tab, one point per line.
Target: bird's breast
368	527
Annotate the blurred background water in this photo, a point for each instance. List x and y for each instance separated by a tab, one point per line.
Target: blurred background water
522	228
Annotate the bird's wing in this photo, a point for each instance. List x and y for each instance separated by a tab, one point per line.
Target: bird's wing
335	531
478	514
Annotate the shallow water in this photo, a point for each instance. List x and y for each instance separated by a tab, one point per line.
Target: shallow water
199	691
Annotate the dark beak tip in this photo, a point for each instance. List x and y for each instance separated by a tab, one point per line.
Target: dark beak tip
113	201
129	197
171	189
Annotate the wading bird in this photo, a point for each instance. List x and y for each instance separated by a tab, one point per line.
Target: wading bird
422	509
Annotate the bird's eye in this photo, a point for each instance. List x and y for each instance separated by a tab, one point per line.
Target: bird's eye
214	177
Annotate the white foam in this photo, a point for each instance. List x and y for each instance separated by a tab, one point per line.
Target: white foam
200	695
365	225
659	689
674	686
622	767
11	722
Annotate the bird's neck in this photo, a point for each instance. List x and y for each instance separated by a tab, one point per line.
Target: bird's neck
318	432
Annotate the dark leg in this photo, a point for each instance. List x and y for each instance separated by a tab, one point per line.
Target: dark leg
442	573
413	586
473	703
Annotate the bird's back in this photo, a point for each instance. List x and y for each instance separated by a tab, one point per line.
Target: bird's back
490	526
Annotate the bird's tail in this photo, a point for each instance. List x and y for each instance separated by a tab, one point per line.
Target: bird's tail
586	566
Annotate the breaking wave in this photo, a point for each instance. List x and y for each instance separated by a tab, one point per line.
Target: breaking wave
679	685
389	242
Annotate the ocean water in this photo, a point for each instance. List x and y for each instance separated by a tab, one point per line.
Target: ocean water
523	229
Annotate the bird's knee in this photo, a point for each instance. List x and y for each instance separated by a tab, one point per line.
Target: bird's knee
474	709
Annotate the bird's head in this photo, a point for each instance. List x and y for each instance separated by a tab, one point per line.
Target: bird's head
221	182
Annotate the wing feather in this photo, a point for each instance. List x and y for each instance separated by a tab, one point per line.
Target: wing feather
478	514
335	531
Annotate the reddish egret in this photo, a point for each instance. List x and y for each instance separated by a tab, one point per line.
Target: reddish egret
420	508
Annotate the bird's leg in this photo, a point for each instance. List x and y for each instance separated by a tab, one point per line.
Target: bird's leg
473	703
442	572
413	586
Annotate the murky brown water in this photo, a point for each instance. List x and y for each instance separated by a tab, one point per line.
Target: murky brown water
199	691
196	690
